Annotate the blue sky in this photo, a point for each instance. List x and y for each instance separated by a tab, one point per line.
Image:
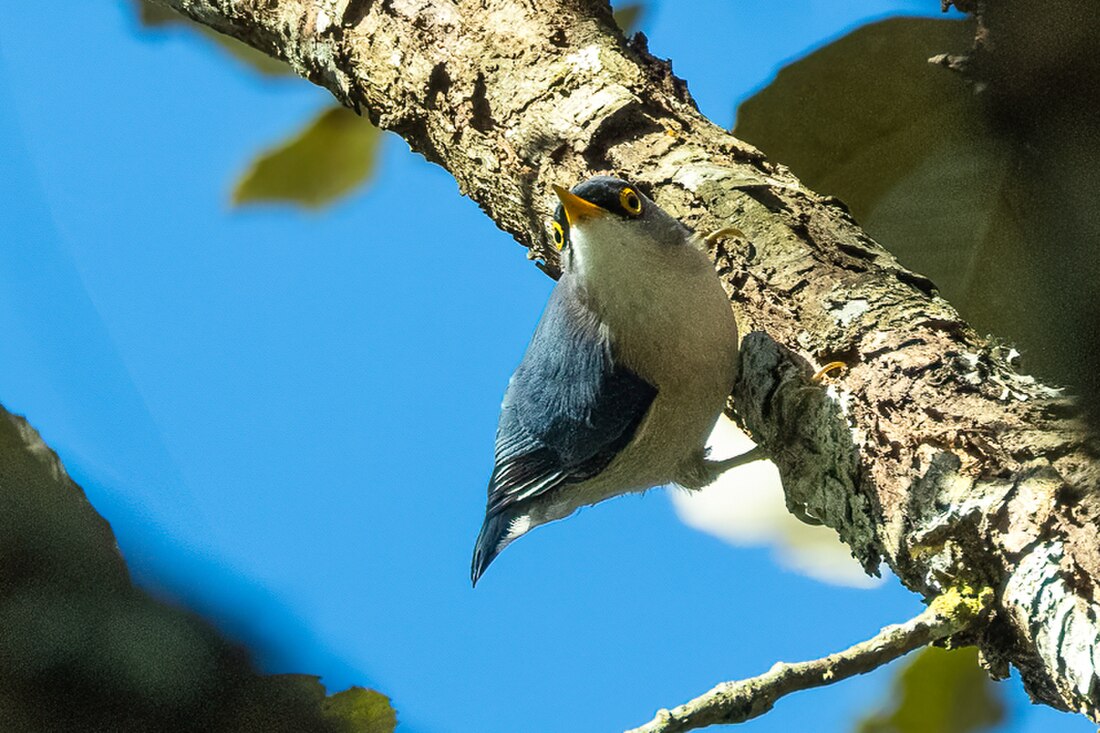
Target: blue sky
288	417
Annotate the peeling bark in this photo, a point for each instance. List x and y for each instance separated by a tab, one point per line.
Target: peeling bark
929	452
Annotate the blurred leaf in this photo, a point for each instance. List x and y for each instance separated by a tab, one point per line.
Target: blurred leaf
359	710
73	629
335	154
939	691
271	699
152	15
48	529
628	16
994	218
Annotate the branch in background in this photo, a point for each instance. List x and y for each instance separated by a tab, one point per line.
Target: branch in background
930	451
736	702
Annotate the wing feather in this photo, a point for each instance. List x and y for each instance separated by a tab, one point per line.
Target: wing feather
569	408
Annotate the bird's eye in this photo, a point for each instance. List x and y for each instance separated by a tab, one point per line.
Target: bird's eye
630	201
559	235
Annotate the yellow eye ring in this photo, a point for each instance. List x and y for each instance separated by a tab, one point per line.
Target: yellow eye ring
559	235
630	201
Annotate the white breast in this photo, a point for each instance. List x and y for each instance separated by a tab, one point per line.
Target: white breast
671	323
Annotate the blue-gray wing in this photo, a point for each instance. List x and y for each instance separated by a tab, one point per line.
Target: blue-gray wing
569	408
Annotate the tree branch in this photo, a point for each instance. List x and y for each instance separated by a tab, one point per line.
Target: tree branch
930	451
736	702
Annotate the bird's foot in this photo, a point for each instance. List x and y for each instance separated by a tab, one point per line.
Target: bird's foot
706	472
805	516
719	467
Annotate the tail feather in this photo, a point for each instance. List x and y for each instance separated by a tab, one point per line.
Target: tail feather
494	536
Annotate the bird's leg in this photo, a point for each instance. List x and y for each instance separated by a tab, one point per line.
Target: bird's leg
703	472
717	468
707	472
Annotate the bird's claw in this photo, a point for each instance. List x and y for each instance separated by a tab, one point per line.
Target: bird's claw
723	233
803	514
824	371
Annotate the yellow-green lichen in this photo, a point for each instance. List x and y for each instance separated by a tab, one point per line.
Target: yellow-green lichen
963	605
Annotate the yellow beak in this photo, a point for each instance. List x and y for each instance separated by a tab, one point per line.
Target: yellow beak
576	208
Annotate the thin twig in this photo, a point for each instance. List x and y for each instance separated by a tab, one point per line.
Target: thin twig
736	702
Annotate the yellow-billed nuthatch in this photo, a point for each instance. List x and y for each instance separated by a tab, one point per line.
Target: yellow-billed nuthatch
626	374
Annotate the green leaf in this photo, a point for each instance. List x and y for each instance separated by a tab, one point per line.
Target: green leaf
71	621
939	691
993	214
358	710
152	15
334	155
628	16
50	532
297	702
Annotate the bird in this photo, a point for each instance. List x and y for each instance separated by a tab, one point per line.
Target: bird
626	375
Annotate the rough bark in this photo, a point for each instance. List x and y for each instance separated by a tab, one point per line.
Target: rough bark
929	452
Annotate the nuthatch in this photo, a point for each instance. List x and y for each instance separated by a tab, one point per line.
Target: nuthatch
626	374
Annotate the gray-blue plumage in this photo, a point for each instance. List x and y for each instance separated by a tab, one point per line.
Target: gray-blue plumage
568	411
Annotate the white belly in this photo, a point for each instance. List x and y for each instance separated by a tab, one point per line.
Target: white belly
673	326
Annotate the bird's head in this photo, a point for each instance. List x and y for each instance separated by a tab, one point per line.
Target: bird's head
604	210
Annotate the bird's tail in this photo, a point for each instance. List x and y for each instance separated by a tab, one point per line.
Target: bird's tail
496	533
